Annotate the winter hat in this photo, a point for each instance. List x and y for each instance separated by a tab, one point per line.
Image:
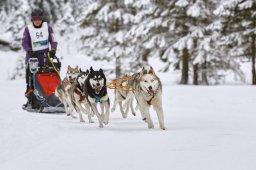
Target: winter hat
37	14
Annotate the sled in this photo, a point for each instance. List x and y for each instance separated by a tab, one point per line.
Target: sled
45	79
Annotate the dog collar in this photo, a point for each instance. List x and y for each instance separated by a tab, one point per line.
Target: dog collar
97	99
80	93
149	101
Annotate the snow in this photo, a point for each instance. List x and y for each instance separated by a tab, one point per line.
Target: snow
6	37
208	127
182	3
194	10
246	4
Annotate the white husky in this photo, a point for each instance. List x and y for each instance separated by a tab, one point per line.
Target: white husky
147	89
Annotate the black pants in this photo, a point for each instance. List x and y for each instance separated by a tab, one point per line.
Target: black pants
29	78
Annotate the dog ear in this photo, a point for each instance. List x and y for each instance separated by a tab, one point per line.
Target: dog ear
87	71
101	71
77	68
91	69
69	67
151	71
80	70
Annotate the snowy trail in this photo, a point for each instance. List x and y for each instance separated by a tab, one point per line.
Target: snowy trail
208	128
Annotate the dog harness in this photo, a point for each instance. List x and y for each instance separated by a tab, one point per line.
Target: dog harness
80	93
97	99
149	101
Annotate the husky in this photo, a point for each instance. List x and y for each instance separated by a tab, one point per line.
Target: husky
147	89
120	96
63	90
79	101
96	91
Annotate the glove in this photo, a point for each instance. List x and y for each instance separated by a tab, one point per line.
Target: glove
59	65
32	54
52	52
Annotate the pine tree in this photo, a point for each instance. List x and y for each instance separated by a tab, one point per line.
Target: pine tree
13	19
238	27
175	32
105	25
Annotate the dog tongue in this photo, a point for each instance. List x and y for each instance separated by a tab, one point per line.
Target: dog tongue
97	89
151	92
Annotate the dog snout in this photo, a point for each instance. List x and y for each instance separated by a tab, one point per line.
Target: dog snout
69	77
150	87
98	84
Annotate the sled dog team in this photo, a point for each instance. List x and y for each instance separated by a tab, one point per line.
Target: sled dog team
81	92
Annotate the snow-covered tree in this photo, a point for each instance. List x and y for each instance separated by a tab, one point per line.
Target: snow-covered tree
105	24
13	19
238	29
18	72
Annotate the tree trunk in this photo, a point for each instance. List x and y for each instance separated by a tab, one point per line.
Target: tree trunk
118	67
115	28
145	56
195	75
253	60
185	66
204	73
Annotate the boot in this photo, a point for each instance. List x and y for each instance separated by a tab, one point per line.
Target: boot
27	105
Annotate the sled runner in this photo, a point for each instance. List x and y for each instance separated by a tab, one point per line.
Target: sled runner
44	81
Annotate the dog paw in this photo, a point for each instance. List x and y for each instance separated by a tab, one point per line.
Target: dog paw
68	114
101	125
162	127
150	126
112	110
133	113
91	121
82	120
124	116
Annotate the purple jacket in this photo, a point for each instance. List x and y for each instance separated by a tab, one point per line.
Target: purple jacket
26	44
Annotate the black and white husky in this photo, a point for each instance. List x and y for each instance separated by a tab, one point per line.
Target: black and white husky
147	89
95	88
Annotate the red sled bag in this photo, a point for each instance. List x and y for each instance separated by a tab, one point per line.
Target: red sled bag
45	79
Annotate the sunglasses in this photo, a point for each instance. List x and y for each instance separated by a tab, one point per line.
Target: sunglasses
37	18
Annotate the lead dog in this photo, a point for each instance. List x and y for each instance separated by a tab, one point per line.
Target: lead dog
96	91
147	89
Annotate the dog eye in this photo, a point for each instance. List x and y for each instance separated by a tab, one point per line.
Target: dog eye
152	80
145	81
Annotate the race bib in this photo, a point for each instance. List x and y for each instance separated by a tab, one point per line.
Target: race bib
39	37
